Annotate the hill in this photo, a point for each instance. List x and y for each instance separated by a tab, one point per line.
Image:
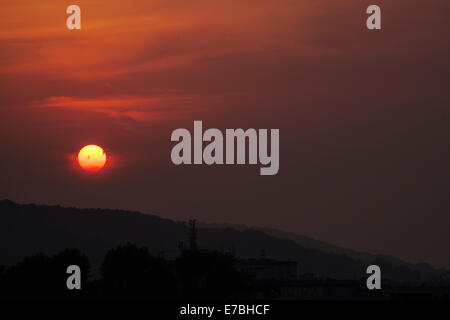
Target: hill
28	229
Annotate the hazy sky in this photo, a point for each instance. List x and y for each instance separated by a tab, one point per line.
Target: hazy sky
363	115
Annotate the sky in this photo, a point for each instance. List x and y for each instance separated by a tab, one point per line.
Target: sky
363	115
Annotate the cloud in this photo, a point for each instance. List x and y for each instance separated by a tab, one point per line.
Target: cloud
136	108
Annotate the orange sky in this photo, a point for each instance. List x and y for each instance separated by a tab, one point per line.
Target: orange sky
363	115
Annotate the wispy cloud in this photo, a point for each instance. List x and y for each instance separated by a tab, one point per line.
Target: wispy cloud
133	107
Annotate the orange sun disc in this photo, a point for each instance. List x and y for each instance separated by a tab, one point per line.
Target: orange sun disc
91	158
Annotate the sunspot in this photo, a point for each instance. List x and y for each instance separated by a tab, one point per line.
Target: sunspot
91	158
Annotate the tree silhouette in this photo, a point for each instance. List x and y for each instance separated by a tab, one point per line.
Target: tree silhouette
42	276
209	274
130	270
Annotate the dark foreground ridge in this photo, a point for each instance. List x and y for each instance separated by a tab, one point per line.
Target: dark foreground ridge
123	254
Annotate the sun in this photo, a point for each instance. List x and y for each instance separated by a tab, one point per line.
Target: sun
92	158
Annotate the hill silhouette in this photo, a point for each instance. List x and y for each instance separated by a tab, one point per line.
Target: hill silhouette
26	230
427	272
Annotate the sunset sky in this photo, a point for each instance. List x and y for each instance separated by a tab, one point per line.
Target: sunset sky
363	115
